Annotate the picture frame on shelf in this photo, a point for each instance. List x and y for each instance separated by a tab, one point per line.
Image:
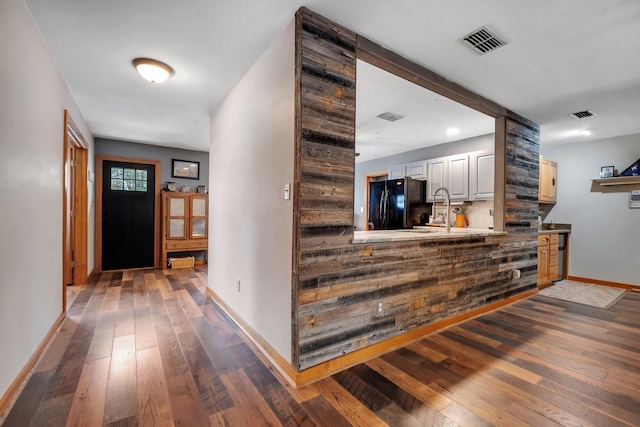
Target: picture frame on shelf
606	172
185	169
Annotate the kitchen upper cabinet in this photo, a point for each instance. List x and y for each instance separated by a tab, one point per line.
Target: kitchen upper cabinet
417	170
548	181
467	176
396	172
481	175
458	177
451	172
436	177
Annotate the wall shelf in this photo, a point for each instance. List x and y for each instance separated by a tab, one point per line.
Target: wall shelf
618	180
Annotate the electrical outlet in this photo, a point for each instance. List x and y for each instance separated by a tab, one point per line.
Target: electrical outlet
516	274
379	307
238	285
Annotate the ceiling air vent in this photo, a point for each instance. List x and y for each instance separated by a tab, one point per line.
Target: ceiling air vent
390	116
483	40
582	114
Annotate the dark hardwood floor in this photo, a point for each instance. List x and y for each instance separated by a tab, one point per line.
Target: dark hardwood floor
148	348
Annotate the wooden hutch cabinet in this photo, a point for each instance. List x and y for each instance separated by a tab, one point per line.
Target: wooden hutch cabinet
184	223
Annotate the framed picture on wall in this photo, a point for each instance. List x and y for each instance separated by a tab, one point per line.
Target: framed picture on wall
606	171
185	169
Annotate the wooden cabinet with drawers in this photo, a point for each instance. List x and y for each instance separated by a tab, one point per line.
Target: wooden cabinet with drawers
547	259
184	223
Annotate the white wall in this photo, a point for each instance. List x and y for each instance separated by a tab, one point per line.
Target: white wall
251	160
605	232
32	101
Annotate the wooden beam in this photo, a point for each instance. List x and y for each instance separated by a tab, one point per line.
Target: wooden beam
390	61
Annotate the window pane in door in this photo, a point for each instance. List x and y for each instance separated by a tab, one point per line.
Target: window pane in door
129	174
130	184
141	185
141	175
116	184
116	173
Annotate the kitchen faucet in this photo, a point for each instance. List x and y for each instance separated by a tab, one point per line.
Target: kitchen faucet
448	200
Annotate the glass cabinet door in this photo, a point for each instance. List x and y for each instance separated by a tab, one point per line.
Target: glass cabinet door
177	218
198	227
176	228
176	206
198	217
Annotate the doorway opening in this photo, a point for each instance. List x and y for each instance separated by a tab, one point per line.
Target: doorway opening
370	177
75	208
127	213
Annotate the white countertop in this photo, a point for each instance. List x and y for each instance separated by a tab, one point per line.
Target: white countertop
421	233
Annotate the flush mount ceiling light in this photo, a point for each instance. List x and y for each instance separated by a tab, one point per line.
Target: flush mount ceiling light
453	131
152	70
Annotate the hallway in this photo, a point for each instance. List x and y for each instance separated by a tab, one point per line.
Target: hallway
148	348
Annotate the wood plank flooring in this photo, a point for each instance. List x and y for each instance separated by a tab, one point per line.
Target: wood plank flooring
148	348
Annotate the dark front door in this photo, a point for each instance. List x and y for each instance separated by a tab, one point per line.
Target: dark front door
127	215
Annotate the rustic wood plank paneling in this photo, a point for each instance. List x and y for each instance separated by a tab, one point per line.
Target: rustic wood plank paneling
337	285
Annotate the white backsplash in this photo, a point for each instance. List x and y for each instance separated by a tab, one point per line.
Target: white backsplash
477	212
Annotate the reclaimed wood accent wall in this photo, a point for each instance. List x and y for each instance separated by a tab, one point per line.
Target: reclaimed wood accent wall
337	286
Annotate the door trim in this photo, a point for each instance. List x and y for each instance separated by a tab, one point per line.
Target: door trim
156	205
368	177
75	195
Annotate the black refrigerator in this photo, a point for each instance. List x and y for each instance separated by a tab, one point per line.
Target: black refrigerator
391	202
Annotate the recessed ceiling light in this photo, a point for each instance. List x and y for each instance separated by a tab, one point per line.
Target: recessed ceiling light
453	131
152	70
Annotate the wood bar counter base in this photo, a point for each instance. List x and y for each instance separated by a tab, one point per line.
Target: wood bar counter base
151	348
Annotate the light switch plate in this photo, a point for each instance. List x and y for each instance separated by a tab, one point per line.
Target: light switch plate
287	194
634	199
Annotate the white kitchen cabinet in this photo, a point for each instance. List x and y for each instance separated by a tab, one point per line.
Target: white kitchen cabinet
417	170
396	172
436	177
481	175
458	171
451	172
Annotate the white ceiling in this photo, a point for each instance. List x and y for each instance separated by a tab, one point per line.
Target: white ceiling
426	116
562	57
